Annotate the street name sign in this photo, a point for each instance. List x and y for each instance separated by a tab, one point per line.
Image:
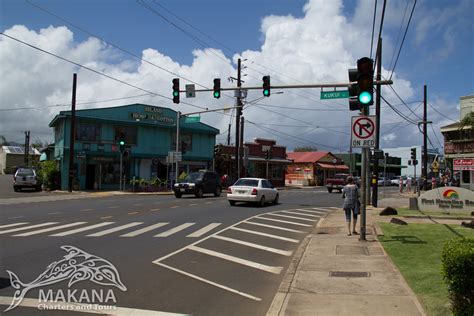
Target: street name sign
363	131
192	119
326	95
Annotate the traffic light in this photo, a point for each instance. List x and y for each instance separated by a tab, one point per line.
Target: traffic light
217	150
122	145
266	86
365	81
217	88
354	104
413	154
267	154
176	90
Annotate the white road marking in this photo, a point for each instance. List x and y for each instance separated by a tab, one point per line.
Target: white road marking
275	227
86	209
113	206
325	210
248	263
257	246
36	232
154	210
115	229
27	227
194	204
311	211
295	217
105	217
281	221
209	202
208	282
144	230
132	213
174	230
205	229
78	230
11	225
302	214
264	234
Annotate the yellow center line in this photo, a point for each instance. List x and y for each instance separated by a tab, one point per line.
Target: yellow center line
104	217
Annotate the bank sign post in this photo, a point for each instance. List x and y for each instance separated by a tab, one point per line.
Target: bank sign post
363	131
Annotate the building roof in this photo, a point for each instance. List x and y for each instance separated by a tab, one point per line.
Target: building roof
308	156
18	150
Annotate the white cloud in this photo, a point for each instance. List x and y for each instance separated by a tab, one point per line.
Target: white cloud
316	48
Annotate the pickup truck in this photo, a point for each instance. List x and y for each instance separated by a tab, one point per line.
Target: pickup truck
336	183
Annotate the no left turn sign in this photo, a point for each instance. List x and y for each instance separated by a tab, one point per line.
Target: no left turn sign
363	131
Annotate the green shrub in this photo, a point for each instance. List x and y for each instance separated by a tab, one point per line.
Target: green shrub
48	174
458	272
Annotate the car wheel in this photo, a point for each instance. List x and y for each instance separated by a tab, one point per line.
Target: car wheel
232	203
178	195
38	188
199	193
262	201
277	197
218	192
16	189
330	190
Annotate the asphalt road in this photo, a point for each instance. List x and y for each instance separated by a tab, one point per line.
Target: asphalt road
187	256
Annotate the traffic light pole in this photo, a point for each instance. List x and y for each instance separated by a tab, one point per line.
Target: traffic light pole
178	116
425	146
237	121
73	128
121	171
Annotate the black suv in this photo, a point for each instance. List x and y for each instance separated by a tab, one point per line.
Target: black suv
199	183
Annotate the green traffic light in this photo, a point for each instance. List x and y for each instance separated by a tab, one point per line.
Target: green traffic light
365	97
216	94
122	143
266	93
175	93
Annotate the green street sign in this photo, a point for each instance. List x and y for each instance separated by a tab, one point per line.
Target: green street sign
326	95
192	119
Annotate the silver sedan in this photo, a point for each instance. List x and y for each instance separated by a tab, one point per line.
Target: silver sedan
254	190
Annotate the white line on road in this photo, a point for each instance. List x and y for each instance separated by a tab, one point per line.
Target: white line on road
294	217
257	246
281	221
113	206
302	214
78	230
144	230
205	229
275	227
325	210
209	282
264	234
174	230
209	202
311	211
154	210
115	229
248	263
27	227
86	209
11	225
36	232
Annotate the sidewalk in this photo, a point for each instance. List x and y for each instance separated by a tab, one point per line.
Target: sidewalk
336	274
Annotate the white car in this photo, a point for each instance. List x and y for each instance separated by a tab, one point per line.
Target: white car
254	190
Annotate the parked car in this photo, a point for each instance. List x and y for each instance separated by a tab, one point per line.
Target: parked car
253	190
337	183
383	182
26	178
199	183
395	181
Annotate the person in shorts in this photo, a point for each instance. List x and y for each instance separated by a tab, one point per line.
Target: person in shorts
351	206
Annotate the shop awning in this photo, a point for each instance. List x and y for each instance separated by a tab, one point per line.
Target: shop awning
329	166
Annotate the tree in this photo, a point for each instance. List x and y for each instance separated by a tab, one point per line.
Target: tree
305	149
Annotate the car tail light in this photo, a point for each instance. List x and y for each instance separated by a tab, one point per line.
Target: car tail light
254	191
229	190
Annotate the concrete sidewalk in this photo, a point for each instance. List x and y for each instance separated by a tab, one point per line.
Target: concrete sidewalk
336	274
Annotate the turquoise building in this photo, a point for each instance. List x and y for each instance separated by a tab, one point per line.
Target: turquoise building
150	135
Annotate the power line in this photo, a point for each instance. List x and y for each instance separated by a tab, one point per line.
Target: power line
406	118
398	37
404	103
381	26
443	115
373	29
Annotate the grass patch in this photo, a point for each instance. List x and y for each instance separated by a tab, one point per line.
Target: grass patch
404	211
416	251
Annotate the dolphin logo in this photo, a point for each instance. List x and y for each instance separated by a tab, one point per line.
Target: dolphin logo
77	265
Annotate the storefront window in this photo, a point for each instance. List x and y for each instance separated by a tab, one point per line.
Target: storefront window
87	132
466	176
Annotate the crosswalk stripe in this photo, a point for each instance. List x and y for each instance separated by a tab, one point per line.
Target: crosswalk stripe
256	265
27	227
256	246
298	213
144	230
78	230
115	229
281	221
275	227
12	225
326	209
205	229
294	217
264	234
310	211
36	232
174	230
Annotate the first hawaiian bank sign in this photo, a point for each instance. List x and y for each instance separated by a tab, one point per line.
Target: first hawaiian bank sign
447	199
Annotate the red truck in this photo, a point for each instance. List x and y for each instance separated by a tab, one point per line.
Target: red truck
337	183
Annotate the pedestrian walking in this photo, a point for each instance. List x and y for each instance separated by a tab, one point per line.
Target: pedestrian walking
400	184
433	183
351	206
408	184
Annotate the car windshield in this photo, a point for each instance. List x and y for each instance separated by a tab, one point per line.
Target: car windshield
193	177
25	172
247	182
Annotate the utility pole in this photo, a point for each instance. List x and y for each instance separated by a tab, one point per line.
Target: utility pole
27	148
228	135
425	146
241	149
178	116
237	122
377	124
72	135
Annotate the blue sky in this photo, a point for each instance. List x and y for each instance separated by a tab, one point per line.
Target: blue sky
438	52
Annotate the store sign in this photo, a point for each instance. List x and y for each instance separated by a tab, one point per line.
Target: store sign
463	164
154	114
447	199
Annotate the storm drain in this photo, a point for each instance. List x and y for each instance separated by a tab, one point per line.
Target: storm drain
349	274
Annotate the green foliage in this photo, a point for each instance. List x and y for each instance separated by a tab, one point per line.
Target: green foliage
458	272
468	120
305	149
48	174
182	176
